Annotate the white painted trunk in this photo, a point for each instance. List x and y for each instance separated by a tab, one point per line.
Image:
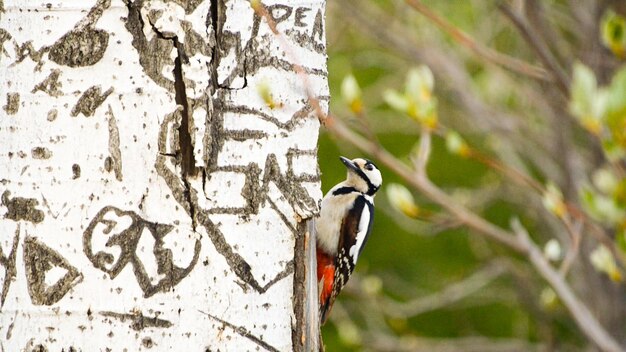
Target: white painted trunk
151	200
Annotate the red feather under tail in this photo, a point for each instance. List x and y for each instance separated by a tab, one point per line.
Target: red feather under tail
325	272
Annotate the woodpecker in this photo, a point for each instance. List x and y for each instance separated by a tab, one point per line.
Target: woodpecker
344	223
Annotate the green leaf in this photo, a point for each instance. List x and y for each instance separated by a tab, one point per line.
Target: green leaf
613	29
455	143
613	150
602	208
610	211
583	91
605	180
419	83
553	200
396	100
616	104
620	239
350	90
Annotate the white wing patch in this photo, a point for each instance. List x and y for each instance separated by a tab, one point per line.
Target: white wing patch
362	232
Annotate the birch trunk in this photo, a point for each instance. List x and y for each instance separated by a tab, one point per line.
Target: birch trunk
150	198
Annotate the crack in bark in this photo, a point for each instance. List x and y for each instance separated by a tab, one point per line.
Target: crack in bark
188	162
185	146
214	12
218	17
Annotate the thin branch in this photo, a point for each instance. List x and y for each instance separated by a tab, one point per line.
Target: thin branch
583	317
428	225
508	62
450	294
514	174
361	117
537	12
384	342
539	47
423	153
575	231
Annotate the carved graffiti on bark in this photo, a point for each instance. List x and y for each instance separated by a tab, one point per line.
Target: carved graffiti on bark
123	229
39	259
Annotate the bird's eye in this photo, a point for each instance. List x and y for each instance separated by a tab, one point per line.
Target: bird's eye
369	167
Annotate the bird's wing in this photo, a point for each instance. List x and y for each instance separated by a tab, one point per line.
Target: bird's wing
355	230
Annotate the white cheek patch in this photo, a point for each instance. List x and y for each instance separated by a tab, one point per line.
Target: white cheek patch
375	177
360	236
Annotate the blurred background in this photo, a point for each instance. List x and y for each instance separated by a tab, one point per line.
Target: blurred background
520	130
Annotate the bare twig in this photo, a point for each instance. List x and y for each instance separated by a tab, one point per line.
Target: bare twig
508	62
384	343
536	12
423	153
451	294
583	317
575	231
361	117
514	174
539	47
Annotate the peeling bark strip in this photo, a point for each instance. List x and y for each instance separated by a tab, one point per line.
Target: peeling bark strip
139	148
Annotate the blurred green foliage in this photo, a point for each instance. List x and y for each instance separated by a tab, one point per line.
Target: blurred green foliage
415	258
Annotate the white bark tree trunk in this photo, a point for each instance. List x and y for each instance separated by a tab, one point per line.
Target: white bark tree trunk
150	199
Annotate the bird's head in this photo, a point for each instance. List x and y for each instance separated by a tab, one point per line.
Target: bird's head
363	175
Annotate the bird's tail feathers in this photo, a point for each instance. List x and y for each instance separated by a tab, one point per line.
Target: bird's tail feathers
326	295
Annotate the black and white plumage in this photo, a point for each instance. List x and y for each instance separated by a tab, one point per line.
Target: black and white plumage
344	224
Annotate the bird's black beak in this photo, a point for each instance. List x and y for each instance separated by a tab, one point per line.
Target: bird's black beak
349	164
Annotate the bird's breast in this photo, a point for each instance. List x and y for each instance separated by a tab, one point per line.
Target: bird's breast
328	225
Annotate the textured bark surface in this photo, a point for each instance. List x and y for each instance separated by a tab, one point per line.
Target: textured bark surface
150	199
